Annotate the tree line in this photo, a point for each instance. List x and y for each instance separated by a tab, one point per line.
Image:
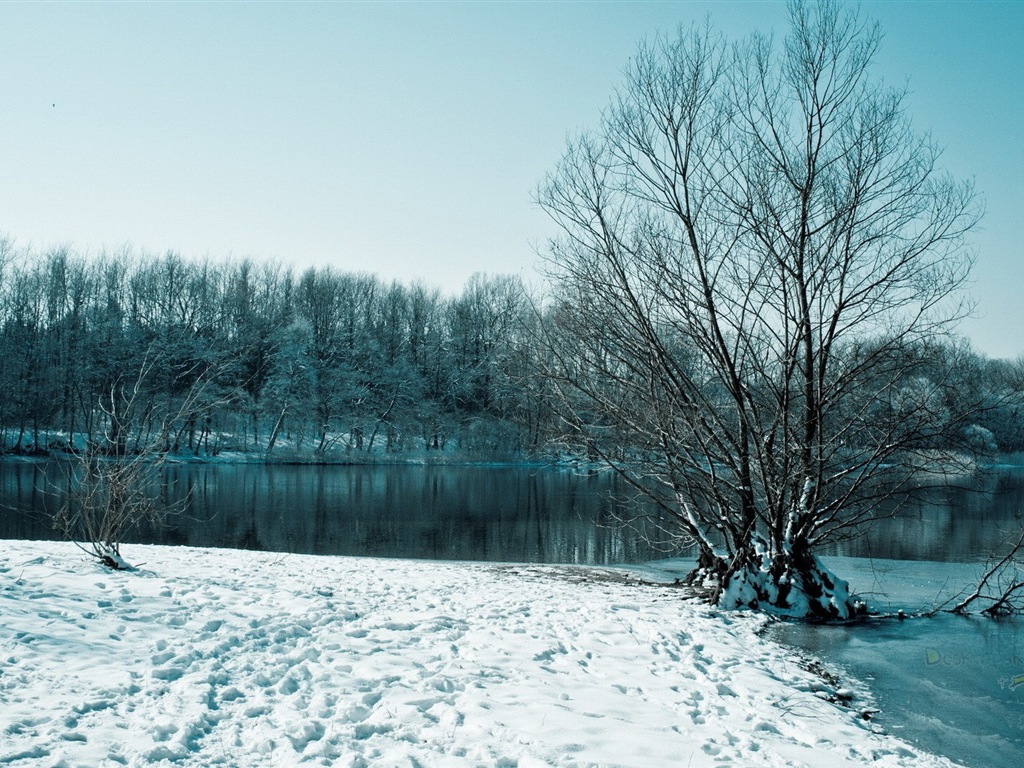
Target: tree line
317	363
327	364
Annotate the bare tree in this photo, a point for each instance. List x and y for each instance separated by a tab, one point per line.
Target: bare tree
756	251
1000	590
109	489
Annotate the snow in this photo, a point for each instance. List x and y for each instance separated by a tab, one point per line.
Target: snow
220	657
817	592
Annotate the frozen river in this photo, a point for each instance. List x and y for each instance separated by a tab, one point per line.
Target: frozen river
950	684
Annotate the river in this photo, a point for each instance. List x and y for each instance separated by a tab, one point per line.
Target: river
492	513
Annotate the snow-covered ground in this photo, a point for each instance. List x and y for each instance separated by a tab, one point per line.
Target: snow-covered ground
218	657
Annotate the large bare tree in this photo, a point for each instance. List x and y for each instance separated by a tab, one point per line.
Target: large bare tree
757	257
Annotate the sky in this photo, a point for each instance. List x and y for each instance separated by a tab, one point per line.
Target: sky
407	139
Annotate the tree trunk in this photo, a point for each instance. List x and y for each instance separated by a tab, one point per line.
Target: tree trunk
277	429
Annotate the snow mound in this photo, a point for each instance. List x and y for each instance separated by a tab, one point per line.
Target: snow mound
217	657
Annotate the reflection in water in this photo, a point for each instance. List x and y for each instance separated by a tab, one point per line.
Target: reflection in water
460	513
517	514
960	521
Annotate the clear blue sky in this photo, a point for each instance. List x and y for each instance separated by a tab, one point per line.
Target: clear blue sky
406	139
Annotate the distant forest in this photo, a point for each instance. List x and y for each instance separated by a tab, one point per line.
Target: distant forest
317	365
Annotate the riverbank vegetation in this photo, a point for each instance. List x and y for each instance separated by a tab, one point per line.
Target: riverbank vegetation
327	366
319	365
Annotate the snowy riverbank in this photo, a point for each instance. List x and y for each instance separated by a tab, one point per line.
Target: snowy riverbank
219	657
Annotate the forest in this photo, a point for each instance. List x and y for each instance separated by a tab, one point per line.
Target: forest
321	365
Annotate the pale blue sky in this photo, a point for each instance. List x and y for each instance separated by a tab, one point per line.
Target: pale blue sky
406	139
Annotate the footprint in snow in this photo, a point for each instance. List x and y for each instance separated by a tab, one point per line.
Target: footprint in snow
447	685
396	626
168	674
162	658
307	733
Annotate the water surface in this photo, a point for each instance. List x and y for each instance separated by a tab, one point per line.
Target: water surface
492	513
496	513
952	685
